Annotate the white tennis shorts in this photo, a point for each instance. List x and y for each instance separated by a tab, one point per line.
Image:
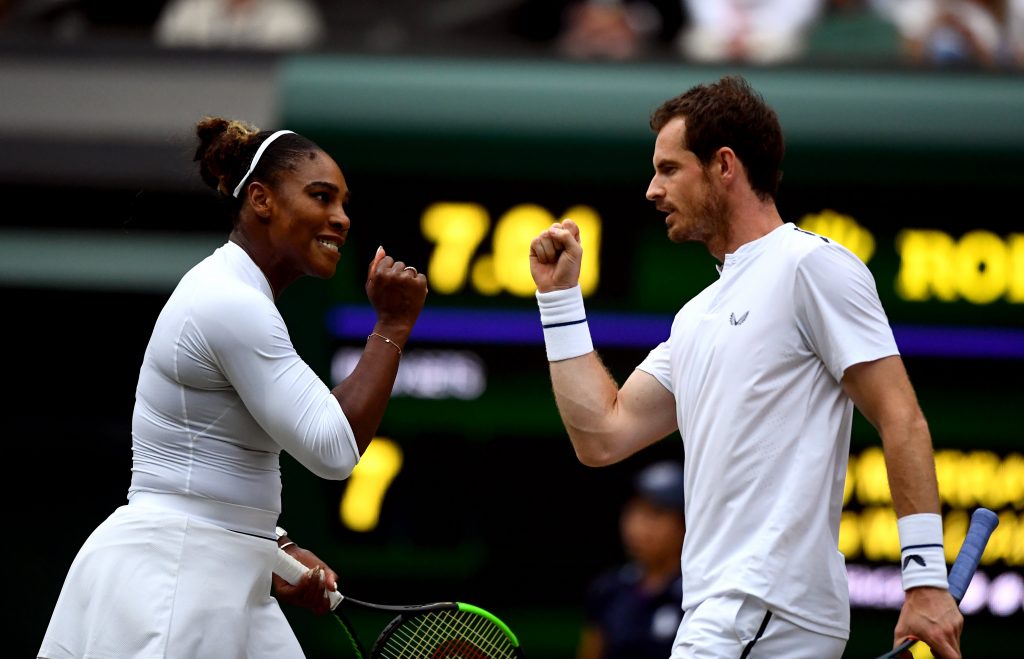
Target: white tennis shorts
741	627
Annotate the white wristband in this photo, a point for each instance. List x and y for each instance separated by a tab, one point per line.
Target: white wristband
922	558
566	333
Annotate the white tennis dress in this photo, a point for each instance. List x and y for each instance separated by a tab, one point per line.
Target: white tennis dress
755	362
184	569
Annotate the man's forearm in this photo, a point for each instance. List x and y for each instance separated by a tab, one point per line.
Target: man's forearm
910	463
587	395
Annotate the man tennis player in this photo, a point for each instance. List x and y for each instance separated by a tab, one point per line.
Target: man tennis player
759	374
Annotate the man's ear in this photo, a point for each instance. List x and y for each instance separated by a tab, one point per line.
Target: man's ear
727	166
261	200
726	162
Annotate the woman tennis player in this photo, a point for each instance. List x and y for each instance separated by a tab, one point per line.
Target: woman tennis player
184	569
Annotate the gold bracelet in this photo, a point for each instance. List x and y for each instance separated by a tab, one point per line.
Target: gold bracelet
386	340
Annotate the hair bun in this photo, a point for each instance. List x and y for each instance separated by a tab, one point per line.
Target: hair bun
221	143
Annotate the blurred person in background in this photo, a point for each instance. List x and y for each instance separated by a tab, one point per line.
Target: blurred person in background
1015	32
633	611
707	31
249	24
760	32
615	29
949	33
618	29
184	569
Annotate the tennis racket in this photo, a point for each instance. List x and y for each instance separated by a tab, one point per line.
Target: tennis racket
983	522
441	630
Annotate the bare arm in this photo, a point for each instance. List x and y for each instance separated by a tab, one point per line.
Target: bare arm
605	424
397	294
882	392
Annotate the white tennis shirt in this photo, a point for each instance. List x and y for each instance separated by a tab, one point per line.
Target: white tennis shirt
222	391
755	362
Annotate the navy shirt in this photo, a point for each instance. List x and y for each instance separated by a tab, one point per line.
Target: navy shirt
635	624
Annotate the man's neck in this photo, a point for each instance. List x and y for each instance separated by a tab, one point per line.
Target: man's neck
746	223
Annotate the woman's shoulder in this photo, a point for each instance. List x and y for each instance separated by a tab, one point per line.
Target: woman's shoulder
212	290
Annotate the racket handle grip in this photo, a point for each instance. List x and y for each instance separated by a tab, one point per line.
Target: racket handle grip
292	571
983	522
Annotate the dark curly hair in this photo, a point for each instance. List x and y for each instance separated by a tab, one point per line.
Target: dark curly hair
227	146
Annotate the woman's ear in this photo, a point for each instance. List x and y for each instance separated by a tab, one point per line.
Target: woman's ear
261	200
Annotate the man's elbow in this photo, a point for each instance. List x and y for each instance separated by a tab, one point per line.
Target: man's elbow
594	454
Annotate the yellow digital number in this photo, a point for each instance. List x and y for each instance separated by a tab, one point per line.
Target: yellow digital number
512	236
360	506
457	229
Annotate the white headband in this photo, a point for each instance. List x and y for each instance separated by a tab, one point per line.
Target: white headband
256	159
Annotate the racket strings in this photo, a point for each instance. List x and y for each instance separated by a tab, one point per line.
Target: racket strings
451	645
451	633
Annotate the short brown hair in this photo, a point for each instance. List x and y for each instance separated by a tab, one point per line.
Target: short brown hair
729	113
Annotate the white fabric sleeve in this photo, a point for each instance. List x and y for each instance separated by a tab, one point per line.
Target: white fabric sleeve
250	343
838	310
658	363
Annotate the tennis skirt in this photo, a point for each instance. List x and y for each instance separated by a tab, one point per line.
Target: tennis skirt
151	582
